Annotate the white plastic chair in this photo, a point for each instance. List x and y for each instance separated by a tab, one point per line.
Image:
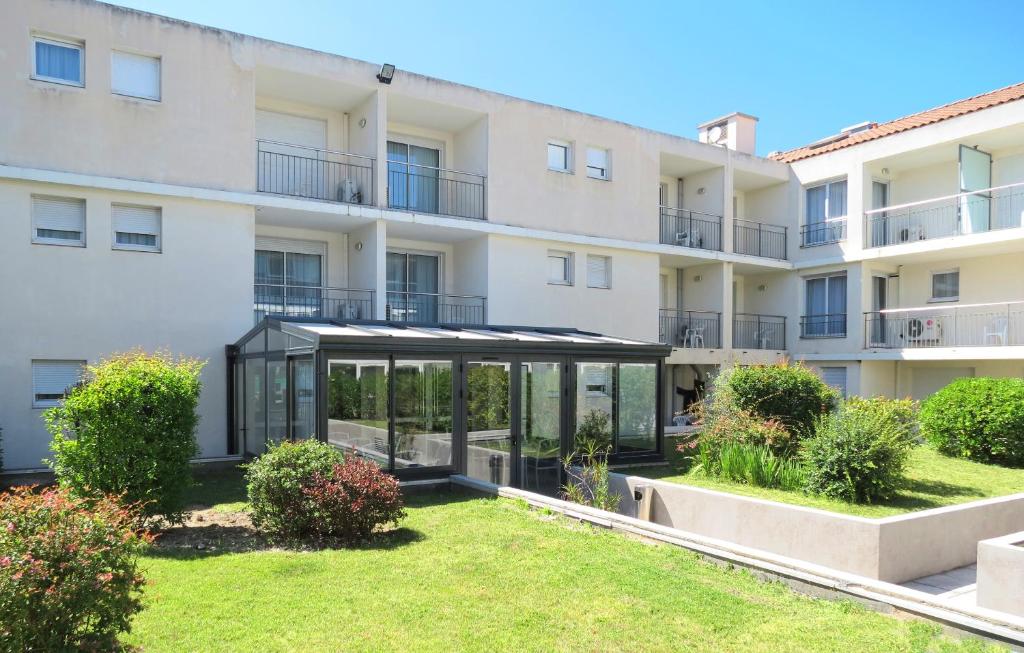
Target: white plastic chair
997	328
692	336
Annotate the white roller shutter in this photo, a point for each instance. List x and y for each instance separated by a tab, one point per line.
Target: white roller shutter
598	271
265	243
136	227
835	377
135	75
58	220
50	379
295	130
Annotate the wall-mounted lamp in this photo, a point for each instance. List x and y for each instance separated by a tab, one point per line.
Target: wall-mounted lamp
362	122
885	171
700	191
697	278
386	74
762	288
359	246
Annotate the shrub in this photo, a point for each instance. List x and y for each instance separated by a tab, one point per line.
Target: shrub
594	429
129	431
858	453
744	427
977	418
792	394
68	575
750	464
351	501
277	483
899	416
587	481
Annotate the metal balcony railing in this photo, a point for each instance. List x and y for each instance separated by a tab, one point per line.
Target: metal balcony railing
693	329
436	308
690	229
759	239
287	169
830	231
311	301
753	331
426	189
1000	207
830	325
970	325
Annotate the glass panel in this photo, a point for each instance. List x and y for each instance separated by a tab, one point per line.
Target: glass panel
277	386
488	422
595	390
637	407
424	179
540	416
357	408
423	278
558	157
975	174
398	175
423	413
58	61
816	205
303	391
303	270
255	406
397	266
269	276
837	199
239	405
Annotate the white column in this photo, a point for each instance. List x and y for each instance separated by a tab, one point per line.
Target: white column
727	307
727	212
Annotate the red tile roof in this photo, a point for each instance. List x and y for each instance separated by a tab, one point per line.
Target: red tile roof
945	112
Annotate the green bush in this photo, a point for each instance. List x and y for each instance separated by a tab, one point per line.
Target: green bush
719	428
277	482
750	464
858	453
129	430
792	394
587	480
594	431
977	418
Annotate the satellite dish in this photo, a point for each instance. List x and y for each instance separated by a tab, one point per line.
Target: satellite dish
717	135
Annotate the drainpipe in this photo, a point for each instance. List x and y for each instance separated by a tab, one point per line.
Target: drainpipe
643	495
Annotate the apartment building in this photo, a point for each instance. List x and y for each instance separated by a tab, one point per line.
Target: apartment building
173	186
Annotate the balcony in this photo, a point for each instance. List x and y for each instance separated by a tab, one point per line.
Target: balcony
690	229
971	325
1001	207
278	300
690	329
753	331
759	239
826	325
426	189
298	171
832	230
436	308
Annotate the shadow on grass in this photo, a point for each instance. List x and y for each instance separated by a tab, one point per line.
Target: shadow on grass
934	492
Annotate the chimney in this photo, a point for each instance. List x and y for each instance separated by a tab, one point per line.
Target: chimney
735	131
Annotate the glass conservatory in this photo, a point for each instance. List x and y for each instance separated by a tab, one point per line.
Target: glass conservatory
498	404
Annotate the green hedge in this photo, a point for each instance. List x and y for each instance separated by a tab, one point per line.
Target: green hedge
977	418
792	394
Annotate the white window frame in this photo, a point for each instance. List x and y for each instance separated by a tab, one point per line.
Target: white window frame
569	267
157	248
940	300
594	172
828	218
607	271
64	43
60	242
49	403
159	75
567	146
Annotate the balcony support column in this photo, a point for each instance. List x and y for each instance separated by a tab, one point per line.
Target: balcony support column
728	310
728	219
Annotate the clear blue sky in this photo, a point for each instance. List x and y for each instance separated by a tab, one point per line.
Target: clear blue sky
806	69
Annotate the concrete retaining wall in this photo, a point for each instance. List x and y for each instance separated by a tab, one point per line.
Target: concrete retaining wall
1001	574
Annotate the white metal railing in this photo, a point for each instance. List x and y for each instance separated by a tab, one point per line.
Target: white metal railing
962	325
999	207
301	171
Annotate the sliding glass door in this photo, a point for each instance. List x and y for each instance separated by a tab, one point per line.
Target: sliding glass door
413	286
540	427
489	421
288	283
413	177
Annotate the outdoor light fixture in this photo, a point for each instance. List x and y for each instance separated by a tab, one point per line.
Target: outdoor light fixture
387	72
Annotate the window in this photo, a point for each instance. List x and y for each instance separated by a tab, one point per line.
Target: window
559	156
836	378
946	286
826	307
599	271
289	278
597	163
58	61
135	75
826	214
616	406
51	379
136	227
58	221
560	268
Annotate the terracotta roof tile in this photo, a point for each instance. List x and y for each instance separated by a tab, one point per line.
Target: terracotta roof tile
938	114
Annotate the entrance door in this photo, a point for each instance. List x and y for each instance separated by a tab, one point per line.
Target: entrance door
879	302
302	386
413	286
540	427
413	177
489	439
975	175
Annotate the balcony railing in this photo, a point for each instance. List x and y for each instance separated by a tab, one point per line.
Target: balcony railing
286	169
753	331
690	229
311	301
425	189
436	308
971	325
830	325
1000	207
759	239
830	231
692	329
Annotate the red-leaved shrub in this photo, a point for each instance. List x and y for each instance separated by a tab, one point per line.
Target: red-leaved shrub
353	500
68	574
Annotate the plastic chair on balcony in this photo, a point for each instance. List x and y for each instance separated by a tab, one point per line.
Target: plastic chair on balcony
693	337
998	329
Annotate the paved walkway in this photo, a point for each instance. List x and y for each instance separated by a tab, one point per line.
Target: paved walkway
958	586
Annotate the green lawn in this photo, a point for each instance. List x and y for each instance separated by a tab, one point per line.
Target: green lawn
933	480
485	574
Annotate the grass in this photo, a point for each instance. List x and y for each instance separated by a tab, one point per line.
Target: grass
486	574
933	481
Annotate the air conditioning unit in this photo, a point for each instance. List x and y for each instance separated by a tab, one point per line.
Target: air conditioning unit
910	234
687	239
348	191
922	329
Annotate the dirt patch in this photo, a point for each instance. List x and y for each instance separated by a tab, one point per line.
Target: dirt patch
215	531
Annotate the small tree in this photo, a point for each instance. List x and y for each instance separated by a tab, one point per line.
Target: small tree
128	430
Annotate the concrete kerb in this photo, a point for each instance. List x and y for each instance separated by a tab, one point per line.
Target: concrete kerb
806	578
